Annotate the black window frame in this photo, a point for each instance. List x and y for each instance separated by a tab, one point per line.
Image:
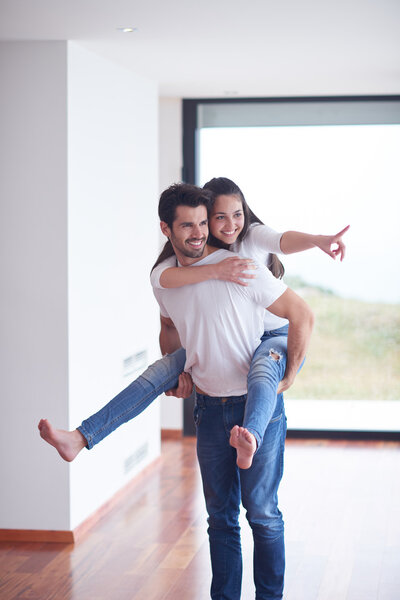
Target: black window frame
190	118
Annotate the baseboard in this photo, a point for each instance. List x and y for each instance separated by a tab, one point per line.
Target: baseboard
36	535
171	434
75	535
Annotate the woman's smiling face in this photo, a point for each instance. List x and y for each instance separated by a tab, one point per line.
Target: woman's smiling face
227	218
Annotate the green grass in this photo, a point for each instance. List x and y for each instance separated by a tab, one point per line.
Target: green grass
354	350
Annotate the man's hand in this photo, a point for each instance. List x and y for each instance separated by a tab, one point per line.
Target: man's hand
284	385
184	389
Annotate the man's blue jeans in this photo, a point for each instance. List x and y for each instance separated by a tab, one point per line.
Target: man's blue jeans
158	378
225	486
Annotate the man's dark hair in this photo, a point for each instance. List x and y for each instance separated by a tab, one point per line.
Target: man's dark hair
178	194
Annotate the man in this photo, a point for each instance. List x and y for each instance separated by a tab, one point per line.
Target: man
220	324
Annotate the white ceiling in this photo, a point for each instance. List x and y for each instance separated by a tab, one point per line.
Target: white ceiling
212	48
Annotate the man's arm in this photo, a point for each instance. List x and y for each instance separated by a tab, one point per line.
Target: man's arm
169	342
301	321
169	337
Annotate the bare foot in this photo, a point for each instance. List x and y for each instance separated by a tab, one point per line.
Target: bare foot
245	444
67	443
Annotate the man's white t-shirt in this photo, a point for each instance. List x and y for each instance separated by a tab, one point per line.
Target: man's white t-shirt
259	242
219	324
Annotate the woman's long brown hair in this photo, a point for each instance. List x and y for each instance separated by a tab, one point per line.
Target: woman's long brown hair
219	186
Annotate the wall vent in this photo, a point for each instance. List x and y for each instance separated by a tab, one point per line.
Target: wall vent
137	457
136	363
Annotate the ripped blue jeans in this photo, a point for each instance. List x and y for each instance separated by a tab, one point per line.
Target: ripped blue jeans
266	371
134	399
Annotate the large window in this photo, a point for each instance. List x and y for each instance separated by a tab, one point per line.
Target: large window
316	166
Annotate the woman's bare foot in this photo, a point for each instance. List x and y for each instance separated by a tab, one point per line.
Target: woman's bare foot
245	444
67	443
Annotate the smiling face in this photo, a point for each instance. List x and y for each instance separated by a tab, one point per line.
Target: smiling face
227	218
189	233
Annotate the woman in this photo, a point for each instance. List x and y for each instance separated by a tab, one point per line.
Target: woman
232	225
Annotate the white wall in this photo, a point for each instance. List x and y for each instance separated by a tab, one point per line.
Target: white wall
78	206
170	165
113	241
33	299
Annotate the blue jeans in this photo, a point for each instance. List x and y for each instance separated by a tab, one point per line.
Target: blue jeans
225	486
264	376
158	378
266	371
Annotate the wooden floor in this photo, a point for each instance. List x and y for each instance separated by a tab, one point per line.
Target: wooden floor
341	502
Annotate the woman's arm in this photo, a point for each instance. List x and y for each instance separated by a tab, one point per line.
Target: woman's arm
295	241
230	269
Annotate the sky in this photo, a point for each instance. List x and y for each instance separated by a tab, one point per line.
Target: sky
318	179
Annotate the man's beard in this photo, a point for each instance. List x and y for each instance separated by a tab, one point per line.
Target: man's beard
189	251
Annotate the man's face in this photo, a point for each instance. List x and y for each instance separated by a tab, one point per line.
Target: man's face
189	232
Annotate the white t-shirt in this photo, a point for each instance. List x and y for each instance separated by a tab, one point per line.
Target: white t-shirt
219	324
259	242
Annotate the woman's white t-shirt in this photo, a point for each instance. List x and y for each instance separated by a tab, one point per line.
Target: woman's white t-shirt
259	242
